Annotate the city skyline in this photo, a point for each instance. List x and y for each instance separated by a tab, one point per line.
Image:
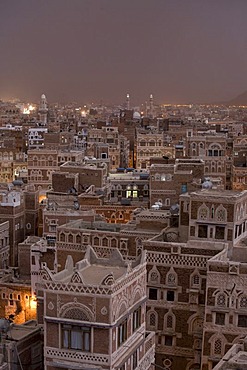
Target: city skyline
84	51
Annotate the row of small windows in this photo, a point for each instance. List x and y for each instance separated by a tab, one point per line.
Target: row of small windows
12	296
150	143
78	239
220	319
222	300
6	156
172	278
217	213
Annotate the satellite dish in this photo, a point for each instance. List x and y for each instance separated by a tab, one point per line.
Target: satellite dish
76	205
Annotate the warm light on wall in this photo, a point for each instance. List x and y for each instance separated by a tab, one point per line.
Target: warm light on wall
42	197
33	303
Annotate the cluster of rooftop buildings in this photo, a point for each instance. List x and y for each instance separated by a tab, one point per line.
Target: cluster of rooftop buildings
123	236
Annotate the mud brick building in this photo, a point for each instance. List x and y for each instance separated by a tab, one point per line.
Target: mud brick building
12	209
88	174
130	188
41	164
212	150
176	298
225	321
213	215
94	315
239	170
168	180
4	244
21	346
74	237
17	301
148	144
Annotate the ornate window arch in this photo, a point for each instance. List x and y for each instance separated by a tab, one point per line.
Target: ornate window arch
78	239
242	302
62	237
195	324
105	241
152	319
70	238
203	212
114	243
195	279
221	213
96	240
221	299
171	277
217	345
76	311
154	275
169	321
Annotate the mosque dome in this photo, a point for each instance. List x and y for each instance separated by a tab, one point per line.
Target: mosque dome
136	115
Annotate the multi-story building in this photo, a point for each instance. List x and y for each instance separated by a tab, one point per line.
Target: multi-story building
21	346
130	188
41	165
12	209
4	245
225	321
239	163
212	150
94	315
148	144
169	180
36	137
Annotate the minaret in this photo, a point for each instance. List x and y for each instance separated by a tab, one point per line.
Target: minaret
151	106
43	109
128	101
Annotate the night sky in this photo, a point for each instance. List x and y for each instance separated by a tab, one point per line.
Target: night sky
100	50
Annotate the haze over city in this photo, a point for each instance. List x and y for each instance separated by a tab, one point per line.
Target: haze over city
99	50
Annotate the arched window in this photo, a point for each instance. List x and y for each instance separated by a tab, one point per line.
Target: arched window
195	280
203	212
169	321
62	237
105	242
154	276
171	277
114	243
152	319
220	214
96	240
78	239
217	346
70	238
243	301
221	300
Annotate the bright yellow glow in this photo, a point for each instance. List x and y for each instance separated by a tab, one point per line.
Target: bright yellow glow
42	197
31	107
26	111
33	303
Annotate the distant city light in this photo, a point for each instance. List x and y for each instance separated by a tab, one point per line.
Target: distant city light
28	109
